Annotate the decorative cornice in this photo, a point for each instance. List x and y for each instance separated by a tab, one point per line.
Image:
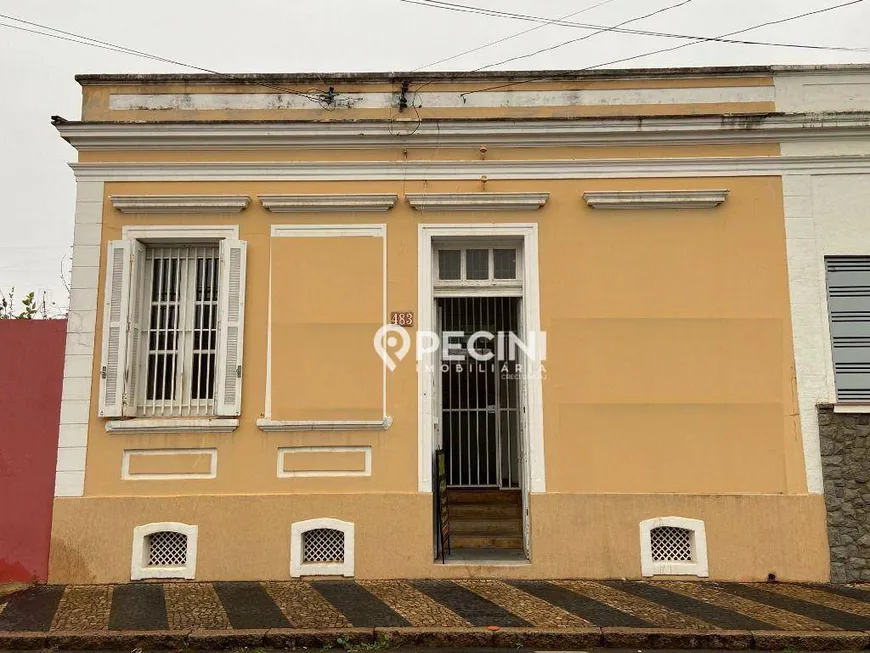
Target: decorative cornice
716	166
180	203
655	199
591	132
321	203
477	201
272	425
162	425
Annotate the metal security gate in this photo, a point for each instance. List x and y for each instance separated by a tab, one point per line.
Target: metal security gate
480	413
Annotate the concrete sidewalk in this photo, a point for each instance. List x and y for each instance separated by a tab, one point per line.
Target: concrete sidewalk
469	613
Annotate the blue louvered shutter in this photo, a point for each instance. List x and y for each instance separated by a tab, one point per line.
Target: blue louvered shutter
848	280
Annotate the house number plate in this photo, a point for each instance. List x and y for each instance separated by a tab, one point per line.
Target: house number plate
402	318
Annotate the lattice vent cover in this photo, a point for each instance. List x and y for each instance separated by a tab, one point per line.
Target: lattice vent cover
322	545
167	549
671	544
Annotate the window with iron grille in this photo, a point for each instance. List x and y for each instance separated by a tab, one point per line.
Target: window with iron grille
671	544
322	545
179	299
167	549
173	328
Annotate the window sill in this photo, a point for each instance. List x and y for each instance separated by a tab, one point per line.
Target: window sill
169	425
861	409
270	425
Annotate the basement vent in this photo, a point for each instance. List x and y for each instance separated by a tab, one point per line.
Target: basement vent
167	549
670	544
164	550
673	546
322	545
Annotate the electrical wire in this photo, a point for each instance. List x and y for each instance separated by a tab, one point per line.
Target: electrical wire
587	36
64	35
561	22
677	47
544	22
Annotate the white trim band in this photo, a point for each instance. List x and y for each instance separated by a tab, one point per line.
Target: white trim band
180	203
321	203
715	166
168	425
655	199
584	132
278	425
477	201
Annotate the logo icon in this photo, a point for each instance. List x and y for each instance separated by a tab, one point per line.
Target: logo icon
392	337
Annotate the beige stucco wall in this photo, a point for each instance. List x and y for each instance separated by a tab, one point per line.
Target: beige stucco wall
573	536
669	384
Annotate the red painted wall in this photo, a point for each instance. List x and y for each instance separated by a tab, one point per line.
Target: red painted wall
31	376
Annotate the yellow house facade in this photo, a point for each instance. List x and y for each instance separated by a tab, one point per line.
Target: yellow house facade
240	241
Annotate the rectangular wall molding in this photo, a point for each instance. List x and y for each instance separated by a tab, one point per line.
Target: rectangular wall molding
168	464
325	461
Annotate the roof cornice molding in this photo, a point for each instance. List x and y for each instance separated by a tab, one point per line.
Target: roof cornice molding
473	170
655	199
686	130
477	201
180	203
332	202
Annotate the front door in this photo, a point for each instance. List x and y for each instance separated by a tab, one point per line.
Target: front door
480	399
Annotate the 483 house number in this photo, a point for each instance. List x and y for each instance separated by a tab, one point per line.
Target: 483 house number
402	318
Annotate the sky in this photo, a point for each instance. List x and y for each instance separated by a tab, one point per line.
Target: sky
37	73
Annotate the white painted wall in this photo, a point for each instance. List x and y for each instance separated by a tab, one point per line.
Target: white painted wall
825	215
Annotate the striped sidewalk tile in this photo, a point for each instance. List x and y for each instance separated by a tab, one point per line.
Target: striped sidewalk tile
303	607
819	597
526	606
716	615
475	609
835	619
194	605
138	607
657	615
320	604
413	605
582	606
777	618
84	608
248	605
361	607
32	610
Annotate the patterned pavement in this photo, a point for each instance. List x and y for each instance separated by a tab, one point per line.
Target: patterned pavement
322	604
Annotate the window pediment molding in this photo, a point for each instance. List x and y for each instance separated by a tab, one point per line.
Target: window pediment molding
655	199
180	203
477	201
329	202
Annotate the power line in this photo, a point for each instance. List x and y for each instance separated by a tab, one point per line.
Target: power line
543	23
64	35
588	36
677	47
561	22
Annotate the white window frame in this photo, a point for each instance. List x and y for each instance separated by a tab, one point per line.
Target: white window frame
139	568
697	567
299	568
166	235
508	287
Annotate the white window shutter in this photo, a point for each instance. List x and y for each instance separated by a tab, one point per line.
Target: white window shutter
134	344
116	308
231	296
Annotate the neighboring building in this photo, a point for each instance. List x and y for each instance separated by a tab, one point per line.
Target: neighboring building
31	373
240	240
